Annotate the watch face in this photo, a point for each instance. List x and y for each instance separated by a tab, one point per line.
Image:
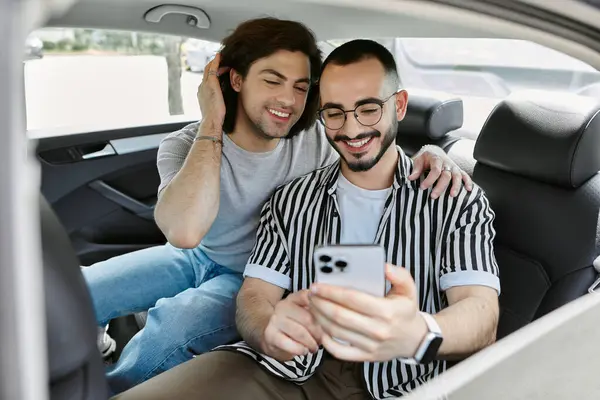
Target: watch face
435	341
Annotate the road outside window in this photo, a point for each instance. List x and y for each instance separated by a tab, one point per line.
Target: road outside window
77	80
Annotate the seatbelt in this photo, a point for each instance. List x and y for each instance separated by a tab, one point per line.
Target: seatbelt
595	285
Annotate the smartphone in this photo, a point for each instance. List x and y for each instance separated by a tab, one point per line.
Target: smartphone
359	267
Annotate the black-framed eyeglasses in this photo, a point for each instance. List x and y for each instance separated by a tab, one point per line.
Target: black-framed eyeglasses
367	114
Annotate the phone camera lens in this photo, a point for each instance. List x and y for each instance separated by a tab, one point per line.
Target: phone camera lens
341	264
326	269
325	259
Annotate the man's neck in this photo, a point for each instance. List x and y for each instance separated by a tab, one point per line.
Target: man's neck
246	137
381	176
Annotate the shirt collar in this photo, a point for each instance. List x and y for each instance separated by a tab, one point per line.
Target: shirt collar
404	169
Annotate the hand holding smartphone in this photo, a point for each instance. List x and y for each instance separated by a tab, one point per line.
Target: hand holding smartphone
359	267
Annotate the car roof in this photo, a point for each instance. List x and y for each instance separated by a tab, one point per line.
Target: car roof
353	18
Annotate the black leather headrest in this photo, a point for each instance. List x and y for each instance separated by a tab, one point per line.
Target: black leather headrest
546	136
431	116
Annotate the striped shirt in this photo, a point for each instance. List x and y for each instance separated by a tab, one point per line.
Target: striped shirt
437	240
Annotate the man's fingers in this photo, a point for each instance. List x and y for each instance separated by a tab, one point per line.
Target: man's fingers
223	70
327	312
417	168
301	297
343	351
299	334
467	180
314	329
296	308
363	336
441	184
215	62
285	344
212	67
354	300
435	170
303	316
402	281
207	68
457	179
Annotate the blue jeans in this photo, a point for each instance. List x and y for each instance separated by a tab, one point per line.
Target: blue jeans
190	302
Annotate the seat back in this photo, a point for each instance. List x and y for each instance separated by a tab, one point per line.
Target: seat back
537	160
429	119
75	366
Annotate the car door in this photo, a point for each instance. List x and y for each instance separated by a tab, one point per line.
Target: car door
103	187
98	105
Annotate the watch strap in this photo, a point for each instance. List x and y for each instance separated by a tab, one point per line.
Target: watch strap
430	345
432	324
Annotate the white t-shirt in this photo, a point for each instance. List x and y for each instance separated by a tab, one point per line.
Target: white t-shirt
360	211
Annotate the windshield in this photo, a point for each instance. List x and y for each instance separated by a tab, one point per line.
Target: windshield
483	71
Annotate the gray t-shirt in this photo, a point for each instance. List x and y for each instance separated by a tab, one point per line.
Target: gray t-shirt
247	181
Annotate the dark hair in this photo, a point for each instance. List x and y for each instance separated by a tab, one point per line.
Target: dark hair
361	49
260	38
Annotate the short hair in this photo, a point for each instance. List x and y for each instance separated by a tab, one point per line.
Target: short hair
362	49
260	38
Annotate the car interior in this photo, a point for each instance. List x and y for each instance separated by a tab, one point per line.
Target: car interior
537	156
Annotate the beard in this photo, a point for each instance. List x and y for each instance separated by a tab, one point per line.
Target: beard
360	162
261	130
262	127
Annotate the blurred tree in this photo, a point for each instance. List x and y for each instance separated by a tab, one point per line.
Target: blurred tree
173	57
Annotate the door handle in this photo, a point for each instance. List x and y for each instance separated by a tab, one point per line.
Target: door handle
107	150
138	208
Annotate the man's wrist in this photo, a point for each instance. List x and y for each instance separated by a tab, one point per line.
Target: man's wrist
430	342
213	139
419	331
262	345
210	128
260	342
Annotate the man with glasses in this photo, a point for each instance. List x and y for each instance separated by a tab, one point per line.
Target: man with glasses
258	106
443	298
367	112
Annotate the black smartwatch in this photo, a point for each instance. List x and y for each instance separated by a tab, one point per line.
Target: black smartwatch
429	347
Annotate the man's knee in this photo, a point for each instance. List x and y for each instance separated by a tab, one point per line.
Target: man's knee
215	375
191	316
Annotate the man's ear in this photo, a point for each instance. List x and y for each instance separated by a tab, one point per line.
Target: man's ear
235	79
401	104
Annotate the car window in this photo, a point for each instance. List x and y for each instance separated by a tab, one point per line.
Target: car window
484	71
84	79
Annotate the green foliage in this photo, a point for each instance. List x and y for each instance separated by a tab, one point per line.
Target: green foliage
121	42
49	46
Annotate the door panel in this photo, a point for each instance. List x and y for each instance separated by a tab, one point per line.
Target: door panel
103	186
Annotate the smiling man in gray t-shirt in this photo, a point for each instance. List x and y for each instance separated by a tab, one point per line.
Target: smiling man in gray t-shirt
258	132
247	181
